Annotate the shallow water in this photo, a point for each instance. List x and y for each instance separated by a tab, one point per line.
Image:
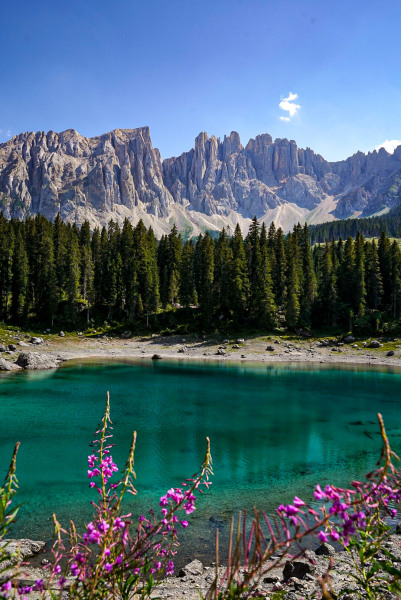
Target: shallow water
275	431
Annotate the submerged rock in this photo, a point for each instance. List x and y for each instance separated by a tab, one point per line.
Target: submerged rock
34	360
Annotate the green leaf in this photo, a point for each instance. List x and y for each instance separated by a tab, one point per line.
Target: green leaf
375	567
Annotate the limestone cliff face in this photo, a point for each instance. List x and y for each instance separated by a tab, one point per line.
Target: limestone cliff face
218	176
365	182
217	183
68	173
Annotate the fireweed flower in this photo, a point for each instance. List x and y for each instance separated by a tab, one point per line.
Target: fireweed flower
38	585
6	586
116	552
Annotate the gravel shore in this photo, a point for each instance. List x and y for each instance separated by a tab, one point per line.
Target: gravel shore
293	580
257	349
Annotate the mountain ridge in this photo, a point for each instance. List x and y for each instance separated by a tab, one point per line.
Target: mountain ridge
217	183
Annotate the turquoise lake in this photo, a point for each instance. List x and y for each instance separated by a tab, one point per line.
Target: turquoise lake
275	431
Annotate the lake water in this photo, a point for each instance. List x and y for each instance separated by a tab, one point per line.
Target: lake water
275	431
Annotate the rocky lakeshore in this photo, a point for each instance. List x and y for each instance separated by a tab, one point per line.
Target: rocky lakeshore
51	350
291	580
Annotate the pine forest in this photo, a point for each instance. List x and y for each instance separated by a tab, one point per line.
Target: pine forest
54	274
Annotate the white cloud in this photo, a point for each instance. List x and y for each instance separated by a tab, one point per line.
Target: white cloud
389	145
288	105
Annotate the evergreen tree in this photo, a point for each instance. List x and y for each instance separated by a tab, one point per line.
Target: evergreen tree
6	257
327	297
262	309
240	279
19	285
129	277
395	262
308	278
358	279
45	282
292	306
72	275
223	267
279	269
205	266
383	251
374	285
86	268
187	291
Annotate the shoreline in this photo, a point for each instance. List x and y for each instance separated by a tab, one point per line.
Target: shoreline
299	353
258	350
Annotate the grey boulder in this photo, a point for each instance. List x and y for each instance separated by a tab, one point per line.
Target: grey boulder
193	568
33	360
298	569
5	365
19	550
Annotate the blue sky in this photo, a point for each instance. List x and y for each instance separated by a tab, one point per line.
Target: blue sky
182	67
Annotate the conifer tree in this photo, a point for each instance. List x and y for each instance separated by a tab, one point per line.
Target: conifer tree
187	291
173	248
327	296
96	245
45	284
292	306
61	258
279	269
86	268
308	278
346	274
72	273
6	257
129	267
223	280
374	286
19	284
383	250
395	262
358	280
205	255
262	309
240	279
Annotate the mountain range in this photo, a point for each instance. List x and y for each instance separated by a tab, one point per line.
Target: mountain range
216	184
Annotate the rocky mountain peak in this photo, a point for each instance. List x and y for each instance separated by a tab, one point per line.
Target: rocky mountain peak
216	183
